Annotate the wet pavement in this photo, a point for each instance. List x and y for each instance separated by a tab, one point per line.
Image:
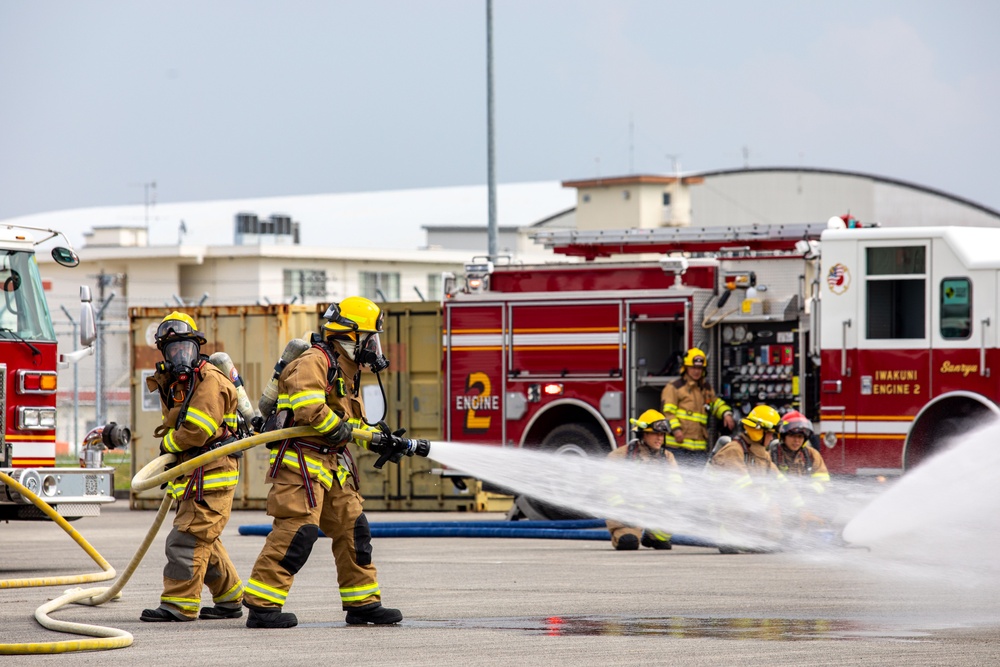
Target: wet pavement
487	601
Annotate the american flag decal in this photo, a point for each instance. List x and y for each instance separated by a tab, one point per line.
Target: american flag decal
838	278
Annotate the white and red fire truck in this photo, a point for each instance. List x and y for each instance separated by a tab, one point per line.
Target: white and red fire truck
28	379
885	337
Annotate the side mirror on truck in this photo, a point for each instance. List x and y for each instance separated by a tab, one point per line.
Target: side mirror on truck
88	326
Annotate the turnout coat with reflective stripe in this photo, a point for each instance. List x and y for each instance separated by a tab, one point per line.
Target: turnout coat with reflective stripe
303	388
687	405
807	462
211	409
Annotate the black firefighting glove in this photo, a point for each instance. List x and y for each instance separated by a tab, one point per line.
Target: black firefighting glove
393	446
341	434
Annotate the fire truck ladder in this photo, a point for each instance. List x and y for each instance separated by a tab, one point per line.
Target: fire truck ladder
591	244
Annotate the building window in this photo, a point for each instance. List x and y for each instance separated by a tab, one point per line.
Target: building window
586	199
666	199
305	284
896	292
956	308
379	286
434	287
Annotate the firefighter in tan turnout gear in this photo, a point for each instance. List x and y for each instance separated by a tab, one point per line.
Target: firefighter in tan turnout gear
646	447
199	414
687	404
745	463
314	481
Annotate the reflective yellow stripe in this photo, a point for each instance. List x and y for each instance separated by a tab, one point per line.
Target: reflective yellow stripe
230	419
201	420
692	445
719	408
699	417
304	398
265	592
233	594
313	467
330	423
220	480
169	444
669	407
184	604
743	482
356	593
342	475
283	403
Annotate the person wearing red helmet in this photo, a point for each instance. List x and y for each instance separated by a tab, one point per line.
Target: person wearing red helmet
793	454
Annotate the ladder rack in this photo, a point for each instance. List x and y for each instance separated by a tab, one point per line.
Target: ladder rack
594	243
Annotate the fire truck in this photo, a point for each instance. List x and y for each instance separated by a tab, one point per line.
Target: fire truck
884	337
28	379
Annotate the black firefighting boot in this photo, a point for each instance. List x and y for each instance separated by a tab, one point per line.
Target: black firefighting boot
220	611
373	613
162	615
652	541
627	543
269	617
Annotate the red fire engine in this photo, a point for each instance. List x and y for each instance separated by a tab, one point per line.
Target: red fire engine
28	378
884	337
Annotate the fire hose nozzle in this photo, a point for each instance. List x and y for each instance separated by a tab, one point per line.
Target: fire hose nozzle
393	447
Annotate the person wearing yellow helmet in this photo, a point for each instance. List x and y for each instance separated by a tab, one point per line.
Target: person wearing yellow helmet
198	403
645	447
748	451
745	460
314	483
688	402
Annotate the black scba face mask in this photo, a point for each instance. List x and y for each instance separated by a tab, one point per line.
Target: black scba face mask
180	357
369	353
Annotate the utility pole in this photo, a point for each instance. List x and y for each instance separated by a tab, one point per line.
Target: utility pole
490	149
149	187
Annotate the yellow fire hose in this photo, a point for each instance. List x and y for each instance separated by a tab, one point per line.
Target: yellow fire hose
145	479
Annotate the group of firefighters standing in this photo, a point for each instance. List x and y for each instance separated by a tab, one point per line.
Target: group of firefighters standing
314	479
764	449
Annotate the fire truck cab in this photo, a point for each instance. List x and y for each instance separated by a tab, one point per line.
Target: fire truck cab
28	379
884	337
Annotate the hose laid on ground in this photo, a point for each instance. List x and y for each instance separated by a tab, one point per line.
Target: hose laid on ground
552	530
108	571
110	638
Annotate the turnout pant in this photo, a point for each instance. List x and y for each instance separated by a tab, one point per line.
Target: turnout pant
196	557
338	513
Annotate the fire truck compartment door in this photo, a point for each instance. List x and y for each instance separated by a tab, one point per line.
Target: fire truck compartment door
892	372
566	339
475	373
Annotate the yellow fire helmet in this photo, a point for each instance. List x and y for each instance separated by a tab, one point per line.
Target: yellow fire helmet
651	421
178	326
761	418
355	313
695	357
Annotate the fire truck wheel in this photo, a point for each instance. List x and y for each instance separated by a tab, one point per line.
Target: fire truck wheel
566	440
574	440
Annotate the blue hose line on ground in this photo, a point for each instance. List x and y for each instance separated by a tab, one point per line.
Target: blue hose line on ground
565	524
443	529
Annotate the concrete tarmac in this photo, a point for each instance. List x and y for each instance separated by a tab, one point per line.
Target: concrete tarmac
495	601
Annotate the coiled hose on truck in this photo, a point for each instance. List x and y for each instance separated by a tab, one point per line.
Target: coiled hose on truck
110	638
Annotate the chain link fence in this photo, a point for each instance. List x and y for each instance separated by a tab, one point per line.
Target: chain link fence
95	390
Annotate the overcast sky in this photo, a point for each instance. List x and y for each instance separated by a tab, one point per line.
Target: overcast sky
229	99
